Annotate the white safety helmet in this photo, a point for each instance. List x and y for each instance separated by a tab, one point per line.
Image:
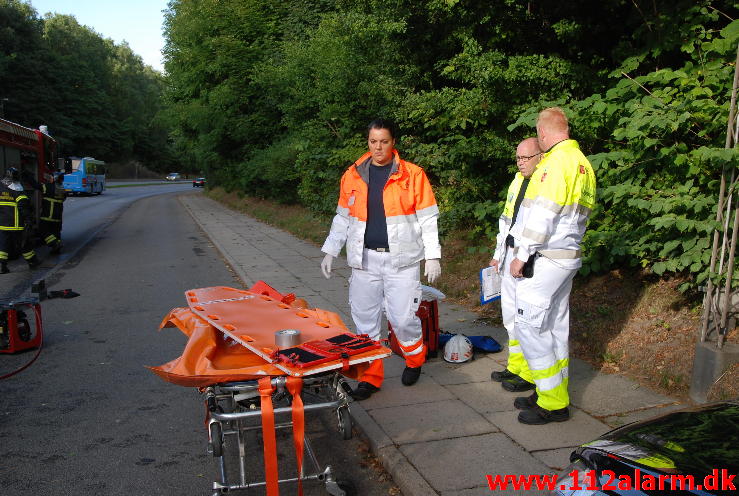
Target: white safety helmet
458	349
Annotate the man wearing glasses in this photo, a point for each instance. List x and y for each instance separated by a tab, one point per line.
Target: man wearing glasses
516	377
549	240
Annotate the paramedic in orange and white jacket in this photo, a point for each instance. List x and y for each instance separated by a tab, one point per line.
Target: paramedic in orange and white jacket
387	217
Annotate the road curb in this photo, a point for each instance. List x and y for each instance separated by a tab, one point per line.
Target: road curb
404	474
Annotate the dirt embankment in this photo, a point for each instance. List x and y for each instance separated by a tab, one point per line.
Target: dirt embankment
626	321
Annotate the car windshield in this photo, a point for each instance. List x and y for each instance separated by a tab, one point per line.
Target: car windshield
689	442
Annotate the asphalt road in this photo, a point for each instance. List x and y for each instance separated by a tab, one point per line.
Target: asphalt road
88	418
84	217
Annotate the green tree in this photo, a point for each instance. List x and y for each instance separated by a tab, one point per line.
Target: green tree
275	98
96	97
24	61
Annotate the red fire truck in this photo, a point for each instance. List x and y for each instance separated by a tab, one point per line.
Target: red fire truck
28	150
35	152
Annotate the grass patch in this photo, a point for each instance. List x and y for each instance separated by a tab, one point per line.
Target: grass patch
611	357
294	219
668	380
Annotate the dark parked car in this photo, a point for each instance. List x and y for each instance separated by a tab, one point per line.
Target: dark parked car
692	451
198	182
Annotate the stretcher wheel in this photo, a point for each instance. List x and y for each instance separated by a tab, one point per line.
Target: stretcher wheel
345	422
216	439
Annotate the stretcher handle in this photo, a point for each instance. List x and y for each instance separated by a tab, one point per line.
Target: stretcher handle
222	417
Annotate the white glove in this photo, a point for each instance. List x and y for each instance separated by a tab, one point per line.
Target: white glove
432	270
326	263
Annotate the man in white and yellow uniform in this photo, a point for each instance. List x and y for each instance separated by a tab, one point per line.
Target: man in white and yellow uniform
516	377
551	236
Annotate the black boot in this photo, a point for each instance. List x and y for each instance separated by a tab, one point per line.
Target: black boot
410	375
526	402
363	391
504	375
4	268
540	416
33	262
57	248
517	384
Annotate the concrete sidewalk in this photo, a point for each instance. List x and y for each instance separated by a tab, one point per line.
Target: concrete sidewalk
455	426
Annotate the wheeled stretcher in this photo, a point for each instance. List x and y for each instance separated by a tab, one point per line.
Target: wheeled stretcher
251	384
235	409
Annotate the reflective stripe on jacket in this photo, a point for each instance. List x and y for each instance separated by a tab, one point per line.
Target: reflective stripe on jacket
565	197
410	211
506	218
53	206
13	208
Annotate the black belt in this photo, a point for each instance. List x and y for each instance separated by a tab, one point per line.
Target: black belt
380	249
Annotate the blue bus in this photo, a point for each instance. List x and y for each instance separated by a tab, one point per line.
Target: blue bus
87	175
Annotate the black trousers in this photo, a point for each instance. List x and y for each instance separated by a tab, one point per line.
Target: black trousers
11	242
51	232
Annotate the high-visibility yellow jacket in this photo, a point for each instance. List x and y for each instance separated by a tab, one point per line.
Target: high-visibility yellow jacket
506	218
14	207
410	211
563	200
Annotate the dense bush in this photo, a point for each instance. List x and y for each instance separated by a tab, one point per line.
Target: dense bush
274	98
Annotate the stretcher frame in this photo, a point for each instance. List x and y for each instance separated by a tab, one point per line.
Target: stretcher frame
231	405
232	358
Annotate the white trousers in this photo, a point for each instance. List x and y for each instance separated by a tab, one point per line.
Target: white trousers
508	297
542	326
508	307
379	285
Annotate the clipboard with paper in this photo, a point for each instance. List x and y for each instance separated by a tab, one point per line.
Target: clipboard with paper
490	281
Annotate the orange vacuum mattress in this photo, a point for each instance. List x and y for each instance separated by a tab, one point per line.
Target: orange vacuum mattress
231	337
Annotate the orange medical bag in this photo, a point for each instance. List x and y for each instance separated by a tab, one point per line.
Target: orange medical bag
428	312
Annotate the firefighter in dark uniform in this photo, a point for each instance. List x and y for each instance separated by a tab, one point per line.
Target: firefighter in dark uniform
15	212
51	211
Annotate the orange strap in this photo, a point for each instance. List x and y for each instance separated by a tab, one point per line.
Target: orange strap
294	385
270	439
